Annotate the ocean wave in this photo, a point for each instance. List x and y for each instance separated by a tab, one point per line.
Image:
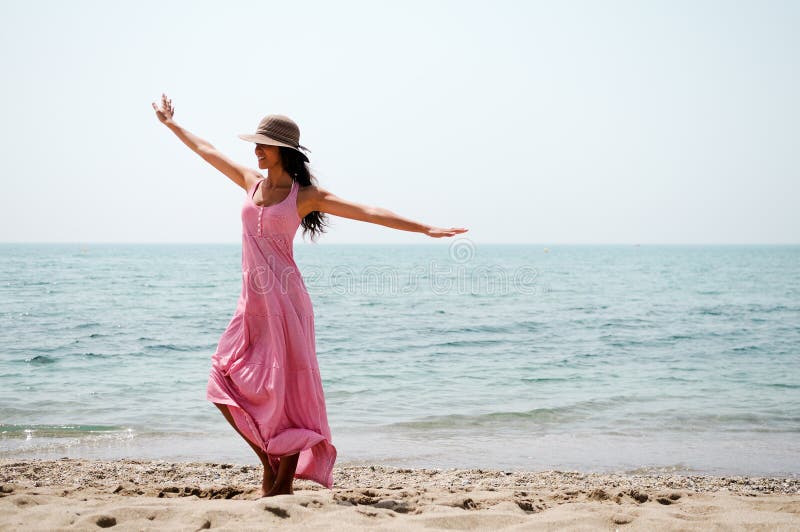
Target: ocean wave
86	325
672	378
746	348
40	360
771	421
790	386
173	347
771	308
484	329
552	415
91	355
680	467
464	343
55	431
548	379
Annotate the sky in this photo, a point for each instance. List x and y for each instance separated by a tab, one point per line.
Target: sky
561	122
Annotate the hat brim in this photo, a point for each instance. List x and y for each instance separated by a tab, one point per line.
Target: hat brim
263	139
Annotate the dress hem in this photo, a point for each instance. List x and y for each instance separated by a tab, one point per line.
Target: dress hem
273	458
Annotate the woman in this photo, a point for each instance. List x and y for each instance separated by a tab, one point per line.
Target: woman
264	376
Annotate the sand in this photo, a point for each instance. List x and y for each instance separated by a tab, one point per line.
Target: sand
72	494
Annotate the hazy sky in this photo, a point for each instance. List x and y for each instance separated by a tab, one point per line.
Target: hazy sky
543	122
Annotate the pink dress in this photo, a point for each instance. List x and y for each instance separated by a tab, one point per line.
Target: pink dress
265	366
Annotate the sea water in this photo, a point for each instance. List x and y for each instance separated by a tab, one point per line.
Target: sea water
612	358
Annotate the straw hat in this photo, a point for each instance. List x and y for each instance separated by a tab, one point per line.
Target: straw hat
278	130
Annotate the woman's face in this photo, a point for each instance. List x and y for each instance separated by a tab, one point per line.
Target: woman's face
268	156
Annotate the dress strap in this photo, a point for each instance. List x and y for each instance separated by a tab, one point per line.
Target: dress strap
255	186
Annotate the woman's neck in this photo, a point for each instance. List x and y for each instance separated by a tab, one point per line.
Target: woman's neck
279	178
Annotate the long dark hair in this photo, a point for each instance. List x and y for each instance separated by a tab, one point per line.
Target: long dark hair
293	162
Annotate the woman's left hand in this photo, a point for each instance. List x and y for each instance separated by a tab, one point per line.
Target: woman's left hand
439	232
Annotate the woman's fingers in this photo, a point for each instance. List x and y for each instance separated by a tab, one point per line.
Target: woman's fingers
166	109
439	232
163	113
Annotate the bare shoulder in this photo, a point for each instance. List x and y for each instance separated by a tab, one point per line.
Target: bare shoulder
251	177
312	192
315	196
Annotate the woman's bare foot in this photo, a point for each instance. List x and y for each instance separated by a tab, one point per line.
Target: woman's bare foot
279	490
285	476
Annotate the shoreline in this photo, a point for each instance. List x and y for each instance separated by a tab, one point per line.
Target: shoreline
136	494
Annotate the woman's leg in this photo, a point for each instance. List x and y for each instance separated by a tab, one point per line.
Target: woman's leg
285	477
268	479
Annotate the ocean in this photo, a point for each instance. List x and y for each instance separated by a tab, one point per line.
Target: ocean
606	358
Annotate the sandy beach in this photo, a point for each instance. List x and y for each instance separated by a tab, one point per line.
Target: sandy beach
78	494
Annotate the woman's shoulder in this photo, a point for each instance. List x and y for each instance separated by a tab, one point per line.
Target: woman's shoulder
308	189
251	178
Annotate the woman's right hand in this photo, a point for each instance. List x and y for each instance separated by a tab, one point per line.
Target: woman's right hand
165	112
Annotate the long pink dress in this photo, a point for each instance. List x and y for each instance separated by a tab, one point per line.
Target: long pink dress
265	366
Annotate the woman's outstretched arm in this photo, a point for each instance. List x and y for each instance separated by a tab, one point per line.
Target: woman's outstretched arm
239	174
325	201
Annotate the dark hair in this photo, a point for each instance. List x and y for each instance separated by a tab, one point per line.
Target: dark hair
294	163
